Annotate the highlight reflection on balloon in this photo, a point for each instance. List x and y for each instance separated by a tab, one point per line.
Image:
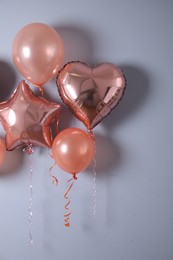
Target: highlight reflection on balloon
38	52
91	93
27	118
73	150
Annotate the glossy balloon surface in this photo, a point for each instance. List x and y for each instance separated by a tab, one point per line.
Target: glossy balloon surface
91	93
73	150
27	118
38	52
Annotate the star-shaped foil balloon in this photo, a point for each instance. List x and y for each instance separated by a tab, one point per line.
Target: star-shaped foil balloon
27	118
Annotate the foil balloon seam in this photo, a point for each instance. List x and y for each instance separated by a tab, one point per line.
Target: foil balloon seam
37	126
69	104
70	62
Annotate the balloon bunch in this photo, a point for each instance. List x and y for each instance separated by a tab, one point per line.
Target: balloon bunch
90	93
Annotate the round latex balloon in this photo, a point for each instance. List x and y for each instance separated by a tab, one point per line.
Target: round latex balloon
38	52
73	150
1	152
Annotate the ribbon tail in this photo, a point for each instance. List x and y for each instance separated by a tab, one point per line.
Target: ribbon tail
67	215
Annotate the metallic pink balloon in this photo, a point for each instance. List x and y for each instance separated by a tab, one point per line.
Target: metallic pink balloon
73	150
91	93
38	52
27	119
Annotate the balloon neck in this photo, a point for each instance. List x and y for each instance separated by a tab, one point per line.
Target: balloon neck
40	89
92	135
74	176
28	149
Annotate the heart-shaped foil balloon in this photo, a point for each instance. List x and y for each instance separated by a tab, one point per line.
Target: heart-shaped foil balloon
91	93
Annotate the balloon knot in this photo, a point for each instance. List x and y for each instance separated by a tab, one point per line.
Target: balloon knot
92	135
74	176
28	149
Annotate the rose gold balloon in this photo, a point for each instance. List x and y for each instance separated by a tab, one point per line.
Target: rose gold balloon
91	93
27	119
1	152
38	52
73	150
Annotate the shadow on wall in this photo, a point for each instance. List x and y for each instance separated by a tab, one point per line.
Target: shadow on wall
78	43
108	152
7	80
13	160
136	93
108	158
108	155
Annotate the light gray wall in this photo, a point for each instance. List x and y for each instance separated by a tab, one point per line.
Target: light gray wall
134	144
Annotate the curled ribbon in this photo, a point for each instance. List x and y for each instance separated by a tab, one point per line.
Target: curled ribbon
54	179
67	215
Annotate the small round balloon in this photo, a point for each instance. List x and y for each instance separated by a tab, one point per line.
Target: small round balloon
1	152
73	150
38	52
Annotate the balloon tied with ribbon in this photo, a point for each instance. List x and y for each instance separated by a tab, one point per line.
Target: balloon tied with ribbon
73	150
25	117
90	92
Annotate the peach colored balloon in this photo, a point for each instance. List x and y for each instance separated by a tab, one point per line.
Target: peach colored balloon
38	52
73	150
1	152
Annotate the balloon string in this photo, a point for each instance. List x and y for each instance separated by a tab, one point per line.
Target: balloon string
29	151
94	190
67	215
30	203
91	133
54	179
